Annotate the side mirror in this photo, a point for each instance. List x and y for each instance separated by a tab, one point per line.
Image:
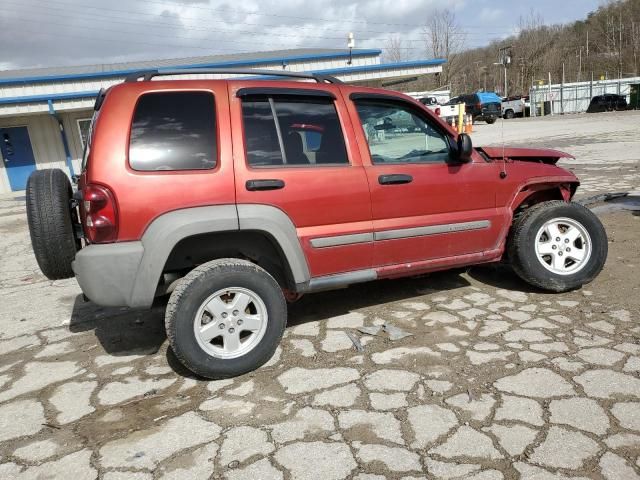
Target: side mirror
464	148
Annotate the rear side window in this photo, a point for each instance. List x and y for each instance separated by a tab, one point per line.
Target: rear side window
471	99
292	130
173	131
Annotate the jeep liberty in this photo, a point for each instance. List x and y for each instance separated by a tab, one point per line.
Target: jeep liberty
237	195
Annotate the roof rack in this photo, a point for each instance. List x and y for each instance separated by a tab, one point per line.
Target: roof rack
147	75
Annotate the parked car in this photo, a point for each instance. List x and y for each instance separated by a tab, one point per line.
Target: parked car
234	196
607	103
514	107
486	106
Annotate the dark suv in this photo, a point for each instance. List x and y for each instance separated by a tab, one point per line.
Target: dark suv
607	103
484	106
235	196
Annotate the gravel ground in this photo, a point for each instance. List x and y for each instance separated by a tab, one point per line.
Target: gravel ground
496	381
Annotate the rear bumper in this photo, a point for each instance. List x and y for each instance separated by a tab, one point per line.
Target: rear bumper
107	273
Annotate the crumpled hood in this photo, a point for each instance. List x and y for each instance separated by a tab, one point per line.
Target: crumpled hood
538	155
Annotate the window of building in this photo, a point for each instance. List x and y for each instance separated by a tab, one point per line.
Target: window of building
292	130
84	126
398	135
173	131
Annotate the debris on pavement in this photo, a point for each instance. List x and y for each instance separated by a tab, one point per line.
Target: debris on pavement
603	197
356	342
394	332
373	330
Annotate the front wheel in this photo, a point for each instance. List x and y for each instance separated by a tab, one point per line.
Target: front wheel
225	318
558	246
491	120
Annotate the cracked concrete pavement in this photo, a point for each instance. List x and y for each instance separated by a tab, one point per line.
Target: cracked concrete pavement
497	380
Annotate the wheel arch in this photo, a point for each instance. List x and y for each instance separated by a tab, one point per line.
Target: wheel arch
259	247
533	193
170	235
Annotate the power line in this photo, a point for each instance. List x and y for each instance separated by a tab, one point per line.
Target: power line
210	50
314	19
189	29
163	35
275	15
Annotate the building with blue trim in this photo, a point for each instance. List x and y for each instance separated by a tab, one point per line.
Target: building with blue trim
45	112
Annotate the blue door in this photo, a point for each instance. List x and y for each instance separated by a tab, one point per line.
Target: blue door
17	156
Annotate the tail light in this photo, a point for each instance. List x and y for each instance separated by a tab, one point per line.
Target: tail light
479	106
100	214
438	111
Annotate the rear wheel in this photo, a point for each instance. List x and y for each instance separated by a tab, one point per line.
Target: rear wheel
50	219
226	318
558	246
509	114
491	120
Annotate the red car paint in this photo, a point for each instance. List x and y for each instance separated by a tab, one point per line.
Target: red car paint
333	200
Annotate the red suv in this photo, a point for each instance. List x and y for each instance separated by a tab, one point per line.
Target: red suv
237	195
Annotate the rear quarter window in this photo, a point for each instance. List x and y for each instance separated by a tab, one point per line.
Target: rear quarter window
173	131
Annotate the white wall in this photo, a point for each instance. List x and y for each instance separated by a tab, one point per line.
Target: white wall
94	84
575	97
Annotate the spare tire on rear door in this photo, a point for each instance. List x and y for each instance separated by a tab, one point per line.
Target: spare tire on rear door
49	215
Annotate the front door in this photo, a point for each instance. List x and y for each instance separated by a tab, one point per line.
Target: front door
17	156
424	207
297	154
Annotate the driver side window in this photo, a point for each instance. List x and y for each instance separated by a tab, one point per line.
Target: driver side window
395	134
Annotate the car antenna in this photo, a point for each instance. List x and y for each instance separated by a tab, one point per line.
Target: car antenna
503	172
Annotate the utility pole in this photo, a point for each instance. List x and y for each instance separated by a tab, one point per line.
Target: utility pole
580	65
587	43
504	59
550	98
478	71
620	48
562	92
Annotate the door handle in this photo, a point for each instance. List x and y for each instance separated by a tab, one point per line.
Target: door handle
264	184
394	179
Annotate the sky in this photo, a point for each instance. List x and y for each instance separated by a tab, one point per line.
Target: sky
44	33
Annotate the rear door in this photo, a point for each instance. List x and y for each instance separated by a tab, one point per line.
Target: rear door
300	141
424	207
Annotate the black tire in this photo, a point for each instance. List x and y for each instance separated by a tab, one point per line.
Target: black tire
191	293
491	120
522	243
509	114
49	216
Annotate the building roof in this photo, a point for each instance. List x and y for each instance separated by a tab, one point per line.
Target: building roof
232	60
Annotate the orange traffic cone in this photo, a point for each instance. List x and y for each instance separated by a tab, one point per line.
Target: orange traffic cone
468	124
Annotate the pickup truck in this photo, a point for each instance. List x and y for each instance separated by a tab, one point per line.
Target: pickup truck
448	112
514	107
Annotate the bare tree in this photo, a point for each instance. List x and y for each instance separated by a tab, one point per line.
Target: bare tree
605	42
444	39
394	50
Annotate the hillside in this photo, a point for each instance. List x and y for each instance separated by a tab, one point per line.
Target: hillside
606	43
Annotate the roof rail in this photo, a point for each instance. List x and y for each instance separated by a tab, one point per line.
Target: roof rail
147	75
